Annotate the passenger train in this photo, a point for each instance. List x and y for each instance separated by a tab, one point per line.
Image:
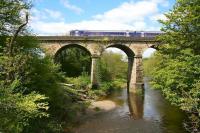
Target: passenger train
148	34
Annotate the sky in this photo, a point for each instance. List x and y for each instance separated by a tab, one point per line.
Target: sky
58	17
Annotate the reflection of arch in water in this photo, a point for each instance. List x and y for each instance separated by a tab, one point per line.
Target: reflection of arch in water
136	105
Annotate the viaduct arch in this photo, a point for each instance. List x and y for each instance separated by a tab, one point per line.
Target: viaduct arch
133	47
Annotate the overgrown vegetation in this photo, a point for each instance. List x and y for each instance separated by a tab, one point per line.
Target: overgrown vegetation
112	67
33	97
176	65
113	72
74	61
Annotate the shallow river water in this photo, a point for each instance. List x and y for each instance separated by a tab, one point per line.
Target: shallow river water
135	114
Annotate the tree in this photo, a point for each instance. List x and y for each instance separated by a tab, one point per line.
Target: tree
10	15
32	98
18	106
112	66
178	71
74	61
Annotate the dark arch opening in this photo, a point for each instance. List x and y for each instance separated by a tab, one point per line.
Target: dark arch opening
75	60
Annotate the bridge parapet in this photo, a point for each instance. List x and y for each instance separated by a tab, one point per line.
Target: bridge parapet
100	39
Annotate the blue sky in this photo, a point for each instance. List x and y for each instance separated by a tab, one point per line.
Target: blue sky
58	17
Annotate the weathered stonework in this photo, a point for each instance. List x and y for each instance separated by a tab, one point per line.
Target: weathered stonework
133	47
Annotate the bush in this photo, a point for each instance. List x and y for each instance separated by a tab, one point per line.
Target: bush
17	109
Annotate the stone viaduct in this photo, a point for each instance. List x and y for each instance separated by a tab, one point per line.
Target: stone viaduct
133	47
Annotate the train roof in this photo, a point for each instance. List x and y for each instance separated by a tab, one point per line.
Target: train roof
118	31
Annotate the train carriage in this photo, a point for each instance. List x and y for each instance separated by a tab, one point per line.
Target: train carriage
148	34
151	34
135	34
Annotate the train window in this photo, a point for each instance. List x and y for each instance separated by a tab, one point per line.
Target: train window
142	34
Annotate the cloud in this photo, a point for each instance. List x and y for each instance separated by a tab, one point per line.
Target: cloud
45	14
129	12
140	15
54	14
71	7
157	17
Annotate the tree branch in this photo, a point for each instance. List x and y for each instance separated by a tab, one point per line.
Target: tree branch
13	39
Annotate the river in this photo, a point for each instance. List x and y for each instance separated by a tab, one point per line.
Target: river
135	114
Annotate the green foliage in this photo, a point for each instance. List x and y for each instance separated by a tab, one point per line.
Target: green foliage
10	12
80	82
147	62
177	70
65	102
17	109
112	66
20	87
33	72
112	86
18	105
179	80
113	71
108	88
74	61
81	89
32	95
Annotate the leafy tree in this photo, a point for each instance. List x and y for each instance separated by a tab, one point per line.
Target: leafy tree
32	97
18	105
17	109
112	66
151	61
74	61
10	13
177	72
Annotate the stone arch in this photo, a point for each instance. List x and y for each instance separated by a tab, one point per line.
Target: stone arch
130	54
81	46
139	48
61	53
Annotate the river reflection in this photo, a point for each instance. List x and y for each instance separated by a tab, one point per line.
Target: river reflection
136	105
135	114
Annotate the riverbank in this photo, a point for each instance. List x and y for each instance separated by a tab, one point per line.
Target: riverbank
115	114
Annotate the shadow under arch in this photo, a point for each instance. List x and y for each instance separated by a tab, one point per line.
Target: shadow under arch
82	66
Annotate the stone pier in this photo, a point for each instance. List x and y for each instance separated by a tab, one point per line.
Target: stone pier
95	71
